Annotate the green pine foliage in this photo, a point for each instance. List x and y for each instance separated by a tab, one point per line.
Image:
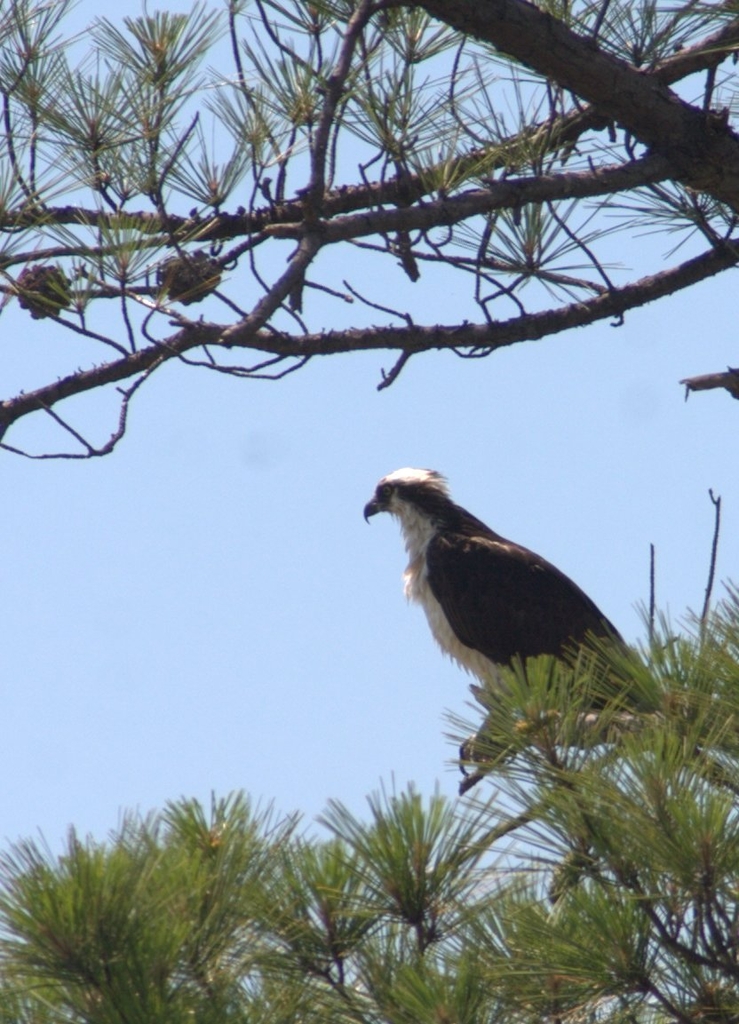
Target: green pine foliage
593	877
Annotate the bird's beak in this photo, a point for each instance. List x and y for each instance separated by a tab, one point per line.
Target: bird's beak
371	509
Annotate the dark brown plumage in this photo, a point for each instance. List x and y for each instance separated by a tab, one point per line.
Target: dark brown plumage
487	599
504	600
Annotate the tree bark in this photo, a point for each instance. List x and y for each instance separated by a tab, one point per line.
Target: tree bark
698	144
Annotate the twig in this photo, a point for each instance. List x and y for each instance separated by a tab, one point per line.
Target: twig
90	450
392	375
600	18
378	305
714	550
333	90
652	592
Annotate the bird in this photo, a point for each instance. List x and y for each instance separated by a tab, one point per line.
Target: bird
489	602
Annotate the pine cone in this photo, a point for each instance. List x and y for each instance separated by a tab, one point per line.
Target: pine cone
188	278
43	290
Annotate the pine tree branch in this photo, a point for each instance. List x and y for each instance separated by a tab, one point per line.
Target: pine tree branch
464	339
684	142
702	150
512	193
703	56
344	200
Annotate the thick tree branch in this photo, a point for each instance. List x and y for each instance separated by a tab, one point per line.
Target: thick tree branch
224	226
406	189
702	150
512	193
479	339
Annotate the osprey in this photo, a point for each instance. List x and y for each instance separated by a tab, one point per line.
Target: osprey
487	600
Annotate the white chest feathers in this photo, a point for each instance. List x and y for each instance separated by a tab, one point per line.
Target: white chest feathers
418	533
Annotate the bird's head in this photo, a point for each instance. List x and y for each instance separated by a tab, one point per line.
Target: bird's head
414	491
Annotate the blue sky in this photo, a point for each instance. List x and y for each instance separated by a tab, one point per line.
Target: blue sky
206	609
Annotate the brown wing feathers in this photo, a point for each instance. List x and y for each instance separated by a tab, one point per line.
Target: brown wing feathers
504	600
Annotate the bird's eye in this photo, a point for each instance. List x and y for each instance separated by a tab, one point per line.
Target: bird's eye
385	491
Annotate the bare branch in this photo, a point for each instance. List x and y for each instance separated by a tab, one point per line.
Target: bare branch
392	375
652	591
708	381
714	552
334	88
91	451
481	338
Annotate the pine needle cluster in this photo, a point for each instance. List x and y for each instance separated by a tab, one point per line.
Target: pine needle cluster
598	883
